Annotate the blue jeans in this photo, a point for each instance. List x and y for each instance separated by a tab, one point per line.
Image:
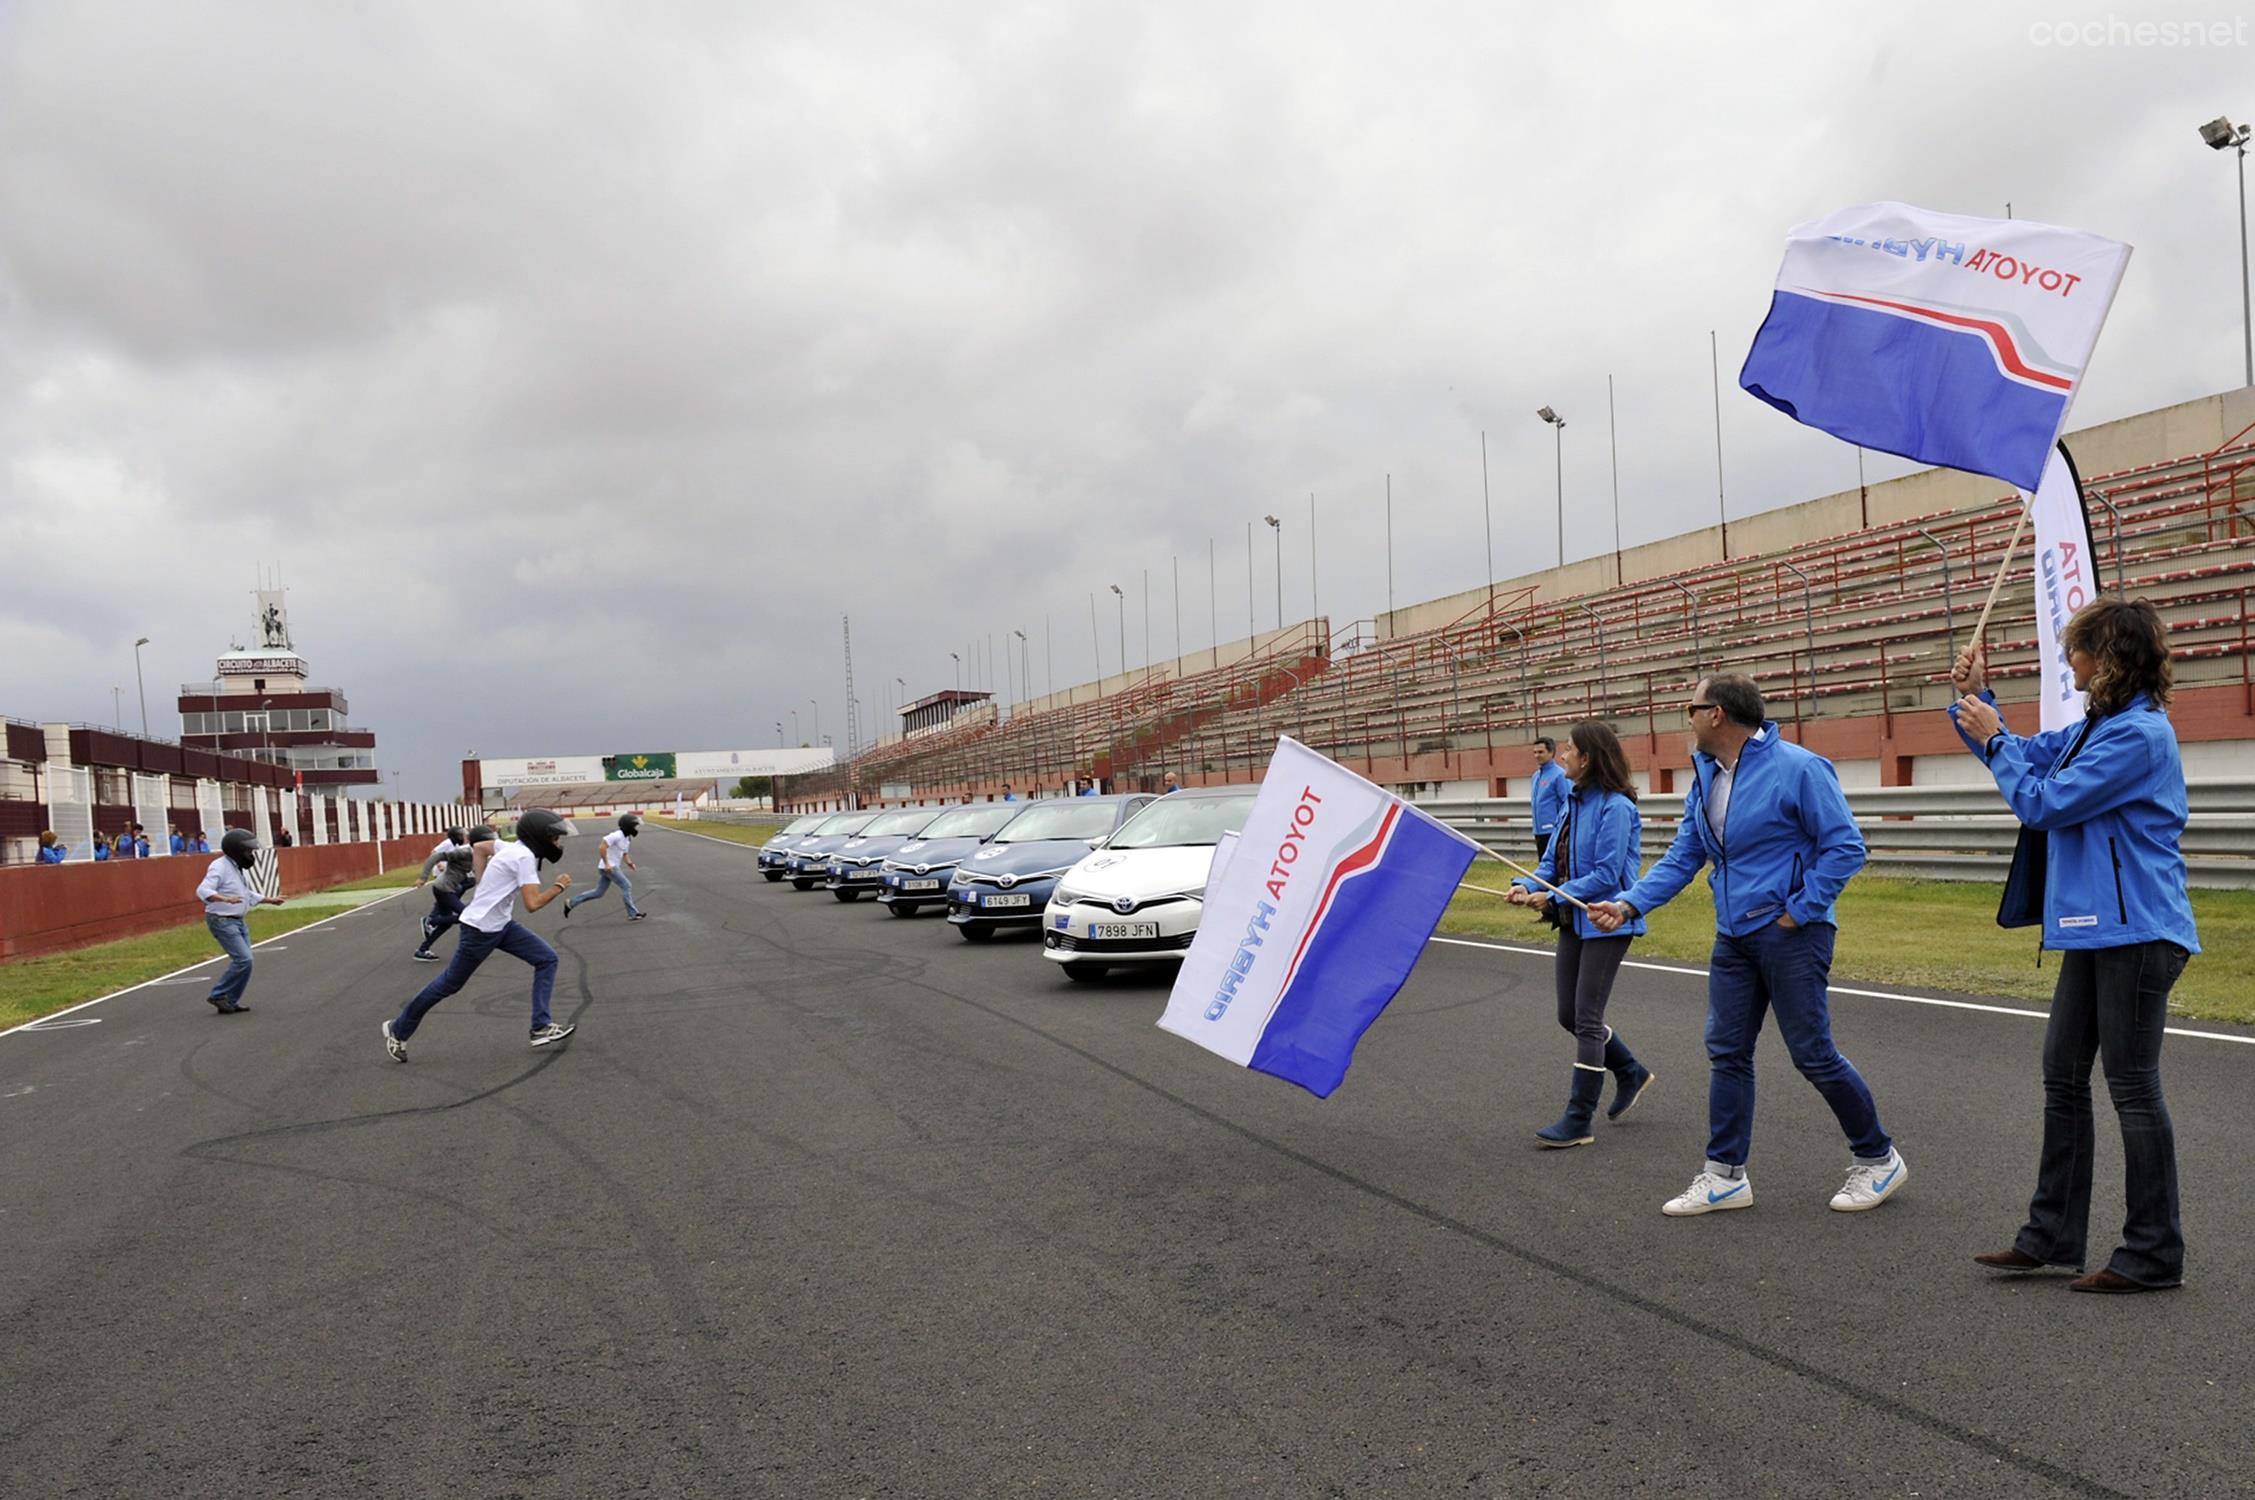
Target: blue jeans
516	940
234	936
1780	970
446	910
604	880
2110	1003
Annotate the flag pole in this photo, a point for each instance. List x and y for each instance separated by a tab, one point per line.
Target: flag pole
1996	585
1522	869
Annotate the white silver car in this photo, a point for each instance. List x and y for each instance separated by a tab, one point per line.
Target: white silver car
1137	900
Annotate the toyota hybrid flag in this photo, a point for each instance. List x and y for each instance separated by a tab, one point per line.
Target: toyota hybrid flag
1945	339
2066	580
1313	919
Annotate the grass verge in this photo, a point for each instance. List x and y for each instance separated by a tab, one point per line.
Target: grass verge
35	987
754	834
1921	934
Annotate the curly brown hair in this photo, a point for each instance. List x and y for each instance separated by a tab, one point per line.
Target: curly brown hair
2130	648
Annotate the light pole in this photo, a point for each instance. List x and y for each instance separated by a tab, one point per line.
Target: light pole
1120	595
795	726
778	734
1613	442
2221	134
1025	665
1278	527
815	706
1558	453
141	684
902	684
957	658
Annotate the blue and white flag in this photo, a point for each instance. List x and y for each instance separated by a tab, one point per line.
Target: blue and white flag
1945	339
1314	916
2066	579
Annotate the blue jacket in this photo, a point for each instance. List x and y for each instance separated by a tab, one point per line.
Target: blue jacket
2112	817
1548	795
1605	841
101	849
53	854
1789	843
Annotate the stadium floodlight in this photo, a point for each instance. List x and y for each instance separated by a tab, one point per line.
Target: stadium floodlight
2222	135
1558	458
1277	527
141	685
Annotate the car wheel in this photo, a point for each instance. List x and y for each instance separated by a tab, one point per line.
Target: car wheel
847	895
772	875
975	932
1084	972
900	908
802	885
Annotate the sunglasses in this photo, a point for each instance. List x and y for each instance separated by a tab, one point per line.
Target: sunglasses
1693	710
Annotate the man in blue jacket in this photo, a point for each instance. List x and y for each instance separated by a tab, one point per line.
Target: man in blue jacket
1548	794
1770	819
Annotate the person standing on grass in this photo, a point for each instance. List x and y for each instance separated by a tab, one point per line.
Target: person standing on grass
2105	803
1771	820
489	922
612	862
1547	795
454	858
228	897
1599	850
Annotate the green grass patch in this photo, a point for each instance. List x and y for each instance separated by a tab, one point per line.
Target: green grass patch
391	879
34	987
754	834
1923	934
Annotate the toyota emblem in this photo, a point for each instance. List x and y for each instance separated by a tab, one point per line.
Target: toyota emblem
923	869
1123	904
1006	881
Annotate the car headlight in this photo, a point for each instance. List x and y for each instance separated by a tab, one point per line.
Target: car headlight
1065	896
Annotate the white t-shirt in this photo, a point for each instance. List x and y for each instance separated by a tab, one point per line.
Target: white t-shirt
494	904
614	851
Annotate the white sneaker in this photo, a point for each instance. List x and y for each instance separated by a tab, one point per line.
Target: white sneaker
393	1045
1710	1194
549	1036
1870	1186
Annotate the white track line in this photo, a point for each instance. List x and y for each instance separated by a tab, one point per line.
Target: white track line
202	963
1994	1010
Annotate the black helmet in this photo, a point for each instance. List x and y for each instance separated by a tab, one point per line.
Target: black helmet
455	835
543	832
630	824
482	834
239	845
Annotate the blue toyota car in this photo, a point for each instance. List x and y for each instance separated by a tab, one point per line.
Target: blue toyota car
807	864
916	874
772	853
1007	883
853	865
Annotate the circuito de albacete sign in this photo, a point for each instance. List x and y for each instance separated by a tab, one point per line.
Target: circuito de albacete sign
652	767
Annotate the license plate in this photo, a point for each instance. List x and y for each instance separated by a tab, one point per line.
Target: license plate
919	885
1010	901
1123	929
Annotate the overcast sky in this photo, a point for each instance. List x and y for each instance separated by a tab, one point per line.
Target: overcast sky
579	365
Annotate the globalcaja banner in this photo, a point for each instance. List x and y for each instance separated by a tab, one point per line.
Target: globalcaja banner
648	767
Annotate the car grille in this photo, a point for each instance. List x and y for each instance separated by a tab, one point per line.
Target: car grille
1066	943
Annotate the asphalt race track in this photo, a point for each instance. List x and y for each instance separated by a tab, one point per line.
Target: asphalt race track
821	1202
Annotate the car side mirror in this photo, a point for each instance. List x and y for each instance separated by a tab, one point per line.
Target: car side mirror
1098	843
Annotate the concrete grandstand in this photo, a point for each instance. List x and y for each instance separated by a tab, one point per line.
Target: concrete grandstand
1844	608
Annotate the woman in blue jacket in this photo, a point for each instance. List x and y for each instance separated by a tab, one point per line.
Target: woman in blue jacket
2105	800
1595	852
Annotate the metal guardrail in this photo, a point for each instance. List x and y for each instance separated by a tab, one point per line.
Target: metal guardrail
1931	833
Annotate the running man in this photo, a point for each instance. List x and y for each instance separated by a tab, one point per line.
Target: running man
612	861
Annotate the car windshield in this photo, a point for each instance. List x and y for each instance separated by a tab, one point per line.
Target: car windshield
846	823
803	825
907	820
1176	821
971	822
1063	820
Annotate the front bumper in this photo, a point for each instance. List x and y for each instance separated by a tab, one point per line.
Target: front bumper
907	888
838	876
1158	933
980	902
